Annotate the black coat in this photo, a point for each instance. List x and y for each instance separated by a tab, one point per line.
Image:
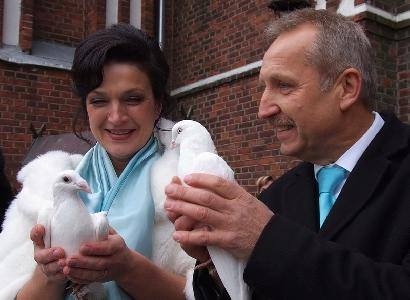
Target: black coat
362	250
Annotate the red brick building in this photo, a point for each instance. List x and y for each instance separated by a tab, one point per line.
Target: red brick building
214	48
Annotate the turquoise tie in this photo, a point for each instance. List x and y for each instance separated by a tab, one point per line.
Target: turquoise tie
329	178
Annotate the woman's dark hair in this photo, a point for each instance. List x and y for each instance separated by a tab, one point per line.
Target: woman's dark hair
121	43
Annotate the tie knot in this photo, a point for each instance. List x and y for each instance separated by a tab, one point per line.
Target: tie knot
329	178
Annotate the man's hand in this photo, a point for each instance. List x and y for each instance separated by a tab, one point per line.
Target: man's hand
233	218
184	223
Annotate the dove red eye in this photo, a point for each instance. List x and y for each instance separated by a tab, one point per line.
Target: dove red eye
66	179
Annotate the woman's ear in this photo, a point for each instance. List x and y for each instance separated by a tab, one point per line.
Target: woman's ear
349	85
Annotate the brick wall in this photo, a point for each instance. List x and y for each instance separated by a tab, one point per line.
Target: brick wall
26	25
385	49
30	95
403	74
124	11
59	21
148	16
95	16
402	6
210	37
391	6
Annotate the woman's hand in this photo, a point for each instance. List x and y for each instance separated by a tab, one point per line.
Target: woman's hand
51	260
100	261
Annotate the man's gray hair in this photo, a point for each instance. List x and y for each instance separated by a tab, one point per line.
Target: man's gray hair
340	44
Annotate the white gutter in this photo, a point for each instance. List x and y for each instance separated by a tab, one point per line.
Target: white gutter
320	4
135	13
111	12
161	23
11	22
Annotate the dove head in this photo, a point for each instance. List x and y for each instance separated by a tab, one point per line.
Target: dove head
192	131
70	181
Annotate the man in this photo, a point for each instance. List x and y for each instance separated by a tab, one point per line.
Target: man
319	79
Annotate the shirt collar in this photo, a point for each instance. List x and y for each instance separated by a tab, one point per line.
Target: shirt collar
349	159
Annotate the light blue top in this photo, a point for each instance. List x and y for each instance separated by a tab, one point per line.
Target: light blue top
127	199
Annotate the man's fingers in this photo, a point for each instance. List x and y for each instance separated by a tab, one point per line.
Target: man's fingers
201	197
196	213
196	238
224	188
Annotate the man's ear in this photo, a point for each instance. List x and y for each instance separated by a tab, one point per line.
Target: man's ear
348	86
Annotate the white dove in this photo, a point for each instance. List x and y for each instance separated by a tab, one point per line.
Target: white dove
167	253
68	224
16	249
197	154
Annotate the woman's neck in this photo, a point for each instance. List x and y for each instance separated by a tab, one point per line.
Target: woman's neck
119	165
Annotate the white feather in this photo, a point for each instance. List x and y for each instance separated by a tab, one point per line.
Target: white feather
16	249
167	253
198	155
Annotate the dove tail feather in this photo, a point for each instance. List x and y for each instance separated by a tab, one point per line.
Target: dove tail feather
189	288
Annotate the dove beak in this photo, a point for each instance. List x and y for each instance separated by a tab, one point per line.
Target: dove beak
173	145
84	187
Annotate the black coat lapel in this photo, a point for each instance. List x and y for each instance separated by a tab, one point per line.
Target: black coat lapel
366	176
300	196
357	190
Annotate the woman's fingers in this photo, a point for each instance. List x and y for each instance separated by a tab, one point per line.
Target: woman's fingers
103	248
85	276
185	223
37	235
54	268
96	263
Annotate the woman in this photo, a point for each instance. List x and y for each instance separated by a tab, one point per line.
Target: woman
262	183
120	75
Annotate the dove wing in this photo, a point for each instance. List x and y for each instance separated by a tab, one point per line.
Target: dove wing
211	163
101	225
44	218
